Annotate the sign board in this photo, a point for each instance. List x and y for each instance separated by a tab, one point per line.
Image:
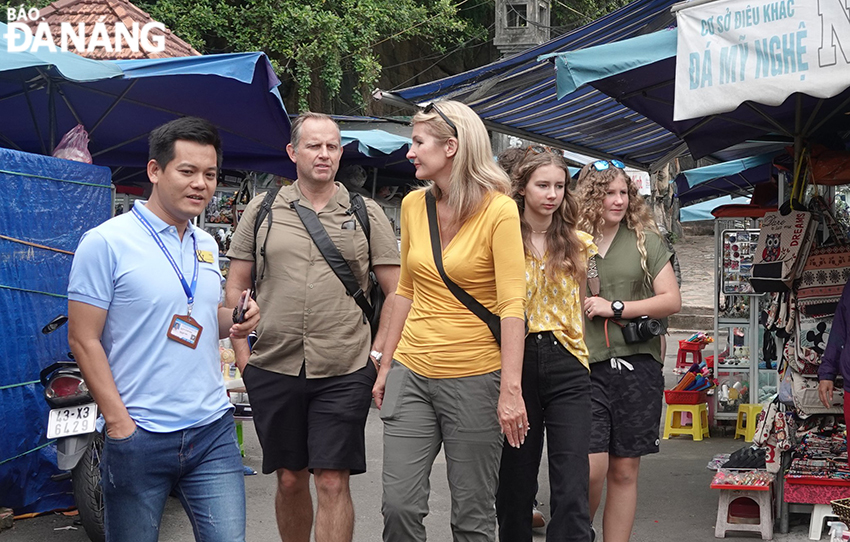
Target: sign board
731	51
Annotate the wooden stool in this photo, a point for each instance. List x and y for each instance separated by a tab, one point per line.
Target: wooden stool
697	429
726	522
685	347
746	426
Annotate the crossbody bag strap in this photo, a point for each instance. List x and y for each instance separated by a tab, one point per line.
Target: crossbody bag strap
332	255
468	301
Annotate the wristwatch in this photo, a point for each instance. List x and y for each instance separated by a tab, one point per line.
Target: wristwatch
617	306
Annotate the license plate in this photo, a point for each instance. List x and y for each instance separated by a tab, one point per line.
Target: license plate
69	421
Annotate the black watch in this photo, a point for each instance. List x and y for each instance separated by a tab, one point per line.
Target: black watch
617	306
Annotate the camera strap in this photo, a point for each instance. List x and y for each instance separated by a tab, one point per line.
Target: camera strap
592	276
607	340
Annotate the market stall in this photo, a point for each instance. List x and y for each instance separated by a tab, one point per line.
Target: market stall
720	78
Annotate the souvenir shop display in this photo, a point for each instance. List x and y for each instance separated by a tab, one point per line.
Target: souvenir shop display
742	373
739	247
821	452
752	478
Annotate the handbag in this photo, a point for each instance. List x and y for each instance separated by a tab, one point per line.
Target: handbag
784	241
775	431
493	322
819	288
806	399
783	245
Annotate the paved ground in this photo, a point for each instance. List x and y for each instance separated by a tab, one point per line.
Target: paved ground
675	502
696	260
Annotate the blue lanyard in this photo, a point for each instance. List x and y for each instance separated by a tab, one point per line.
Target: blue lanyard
190	290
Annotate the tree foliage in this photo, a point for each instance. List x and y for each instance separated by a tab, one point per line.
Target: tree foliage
312	42
329	53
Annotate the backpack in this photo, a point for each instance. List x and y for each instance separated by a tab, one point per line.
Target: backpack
372	307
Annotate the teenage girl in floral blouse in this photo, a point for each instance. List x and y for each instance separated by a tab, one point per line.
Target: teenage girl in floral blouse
555	375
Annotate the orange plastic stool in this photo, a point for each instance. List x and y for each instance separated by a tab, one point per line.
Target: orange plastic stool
685	347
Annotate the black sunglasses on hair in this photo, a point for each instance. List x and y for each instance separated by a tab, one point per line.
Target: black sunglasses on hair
602	165
432	107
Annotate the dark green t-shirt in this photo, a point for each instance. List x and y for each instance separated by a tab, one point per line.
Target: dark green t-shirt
621	277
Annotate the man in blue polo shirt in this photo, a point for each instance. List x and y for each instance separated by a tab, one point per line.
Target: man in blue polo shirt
145	316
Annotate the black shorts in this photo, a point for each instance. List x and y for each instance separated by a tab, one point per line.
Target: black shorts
626	407
315	423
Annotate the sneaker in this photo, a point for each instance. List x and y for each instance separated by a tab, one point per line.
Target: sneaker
537	519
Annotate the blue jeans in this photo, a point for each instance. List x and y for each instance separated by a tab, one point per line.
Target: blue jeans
202	466
556	390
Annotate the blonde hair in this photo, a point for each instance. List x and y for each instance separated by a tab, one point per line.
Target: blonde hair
564	251
592	188
474	174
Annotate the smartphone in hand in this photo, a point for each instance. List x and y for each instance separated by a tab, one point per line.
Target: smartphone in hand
243	306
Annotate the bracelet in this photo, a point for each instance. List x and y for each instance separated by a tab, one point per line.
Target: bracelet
376	356
236	315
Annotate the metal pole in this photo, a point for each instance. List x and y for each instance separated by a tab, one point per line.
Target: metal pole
798	133
51	112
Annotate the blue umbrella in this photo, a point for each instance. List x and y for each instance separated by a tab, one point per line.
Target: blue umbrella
120	102
733	178
380	149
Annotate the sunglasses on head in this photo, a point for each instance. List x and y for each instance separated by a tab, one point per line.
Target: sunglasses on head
602	165
540	149
432	107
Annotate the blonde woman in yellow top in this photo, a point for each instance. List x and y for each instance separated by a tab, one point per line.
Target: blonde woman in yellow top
444	380
555	374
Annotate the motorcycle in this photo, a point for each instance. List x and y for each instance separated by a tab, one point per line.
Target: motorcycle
73	423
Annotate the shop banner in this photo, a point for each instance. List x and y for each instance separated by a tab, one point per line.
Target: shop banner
731	51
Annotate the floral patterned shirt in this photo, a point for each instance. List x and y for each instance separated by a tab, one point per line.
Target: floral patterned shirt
555	305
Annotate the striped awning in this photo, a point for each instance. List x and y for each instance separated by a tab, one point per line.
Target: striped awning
518	95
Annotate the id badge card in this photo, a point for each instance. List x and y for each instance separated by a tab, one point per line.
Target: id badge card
185	330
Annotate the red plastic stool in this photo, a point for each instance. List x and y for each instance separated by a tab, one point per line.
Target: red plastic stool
685	347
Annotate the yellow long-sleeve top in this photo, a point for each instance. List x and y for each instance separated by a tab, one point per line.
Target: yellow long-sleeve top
441	337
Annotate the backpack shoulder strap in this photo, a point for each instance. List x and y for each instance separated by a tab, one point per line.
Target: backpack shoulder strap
264	212
358	206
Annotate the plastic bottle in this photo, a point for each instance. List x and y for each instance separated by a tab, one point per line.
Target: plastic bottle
838	531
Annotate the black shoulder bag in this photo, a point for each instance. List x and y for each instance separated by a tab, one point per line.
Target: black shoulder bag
493	322
331	254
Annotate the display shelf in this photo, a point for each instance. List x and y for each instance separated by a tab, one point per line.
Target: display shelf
732	321
737	333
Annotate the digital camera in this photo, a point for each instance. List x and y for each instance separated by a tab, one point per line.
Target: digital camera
642	329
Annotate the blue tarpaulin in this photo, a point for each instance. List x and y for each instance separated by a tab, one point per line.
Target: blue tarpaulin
119	102
48	202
